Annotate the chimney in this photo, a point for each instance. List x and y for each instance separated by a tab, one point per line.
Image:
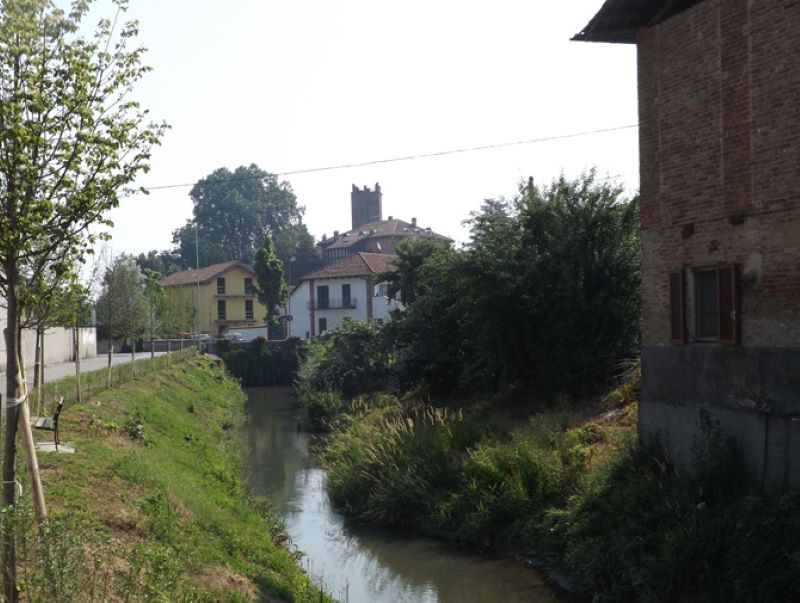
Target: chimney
414	222
335	234
366	205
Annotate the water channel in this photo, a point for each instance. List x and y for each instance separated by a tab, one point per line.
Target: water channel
359	564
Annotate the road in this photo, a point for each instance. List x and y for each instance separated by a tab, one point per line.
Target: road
53	372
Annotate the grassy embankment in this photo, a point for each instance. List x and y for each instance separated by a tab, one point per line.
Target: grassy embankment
143	512
570	487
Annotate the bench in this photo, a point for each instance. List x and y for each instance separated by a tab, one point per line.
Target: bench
50	423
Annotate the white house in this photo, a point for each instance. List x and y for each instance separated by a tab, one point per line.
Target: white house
345	290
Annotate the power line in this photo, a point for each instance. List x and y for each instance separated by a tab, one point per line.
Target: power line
486	147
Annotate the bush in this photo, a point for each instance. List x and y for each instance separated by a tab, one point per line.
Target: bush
265	362
354	360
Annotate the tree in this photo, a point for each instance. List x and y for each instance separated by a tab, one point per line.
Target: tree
122	308
176	314
295	247
411	255
154	302
272	290
71	140
233	212
163	262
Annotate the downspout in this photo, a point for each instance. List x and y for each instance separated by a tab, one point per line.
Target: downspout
312	313
370	297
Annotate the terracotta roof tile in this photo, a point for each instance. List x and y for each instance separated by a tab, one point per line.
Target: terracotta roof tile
189	277
358	264
380	228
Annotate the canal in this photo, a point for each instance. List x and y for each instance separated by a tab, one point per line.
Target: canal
355	563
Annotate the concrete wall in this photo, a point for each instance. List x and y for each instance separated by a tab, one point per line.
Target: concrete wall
720	164
58	346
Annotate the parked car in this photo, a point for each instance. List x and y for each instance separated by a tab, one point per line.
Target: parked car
234	336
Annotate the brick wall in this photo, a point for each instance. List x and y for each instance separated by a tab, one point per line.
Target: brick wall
719	101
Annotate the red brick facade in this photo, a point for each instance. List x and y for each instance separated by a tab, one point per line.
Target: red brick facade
719	101
719	115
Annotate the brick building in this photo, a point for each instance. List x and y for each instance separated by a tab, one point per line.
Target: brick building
719	113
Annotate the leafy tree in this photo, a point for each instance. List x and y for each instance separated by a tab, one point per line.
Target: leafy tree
71	140
122	307
154	302
295	247
272	290
233	212
553	281
411	255
545	295
163	262
176	314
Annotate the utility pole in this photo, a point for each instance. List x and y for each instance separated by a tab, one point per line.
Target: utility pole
197	267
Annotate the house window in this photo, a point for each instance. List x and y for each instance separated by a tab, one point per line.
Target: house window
248	309
220	286
706	304
248	286
220	309
323	300
713	302
323	325
382	290
345	296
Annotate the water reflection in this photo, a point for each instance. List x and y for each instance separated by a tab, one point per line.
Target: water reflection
357	563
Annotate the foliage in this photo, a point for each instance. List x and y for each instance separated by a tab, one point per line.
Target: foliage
545	295
122	308
176	313
663	539
235	211
321	408
355	359
272	290
163	262
576	490
266	363
71	140
411	255
295	247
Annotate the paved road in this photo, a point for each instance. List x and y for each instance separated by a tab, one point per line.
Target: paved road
67	369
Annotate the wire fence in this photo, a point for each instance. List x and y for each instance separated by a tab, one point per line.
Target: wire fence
93	382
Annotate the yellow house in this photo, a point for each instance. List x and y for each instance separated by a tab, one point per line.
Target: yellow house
226	296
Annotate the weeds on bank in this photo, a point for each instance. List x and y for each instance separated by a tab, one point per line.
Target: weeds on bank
152	505
573	486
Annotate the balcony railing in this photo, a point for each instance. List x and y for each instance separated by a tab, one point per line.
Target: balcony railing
333	304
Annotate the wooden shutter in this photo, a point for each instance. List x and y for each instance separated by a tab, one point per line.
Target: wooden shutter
677	308
728	297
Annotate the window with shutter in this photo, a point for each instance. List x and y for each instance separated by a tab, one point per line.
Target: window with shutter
729	304
713	302
677	308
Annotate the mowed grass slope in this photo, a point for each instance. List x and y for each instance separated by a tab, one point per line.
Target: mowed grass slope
152	505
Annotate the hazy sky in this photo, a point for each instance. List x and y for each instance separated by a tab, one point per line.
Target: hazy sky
299	84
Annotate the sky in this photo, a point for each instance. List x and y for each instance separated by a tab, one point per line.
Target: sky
298	84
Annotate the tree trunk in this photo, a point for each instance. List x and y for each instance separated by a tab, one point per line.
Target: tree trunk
37	367
133	360
77	339
110	353
13	393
